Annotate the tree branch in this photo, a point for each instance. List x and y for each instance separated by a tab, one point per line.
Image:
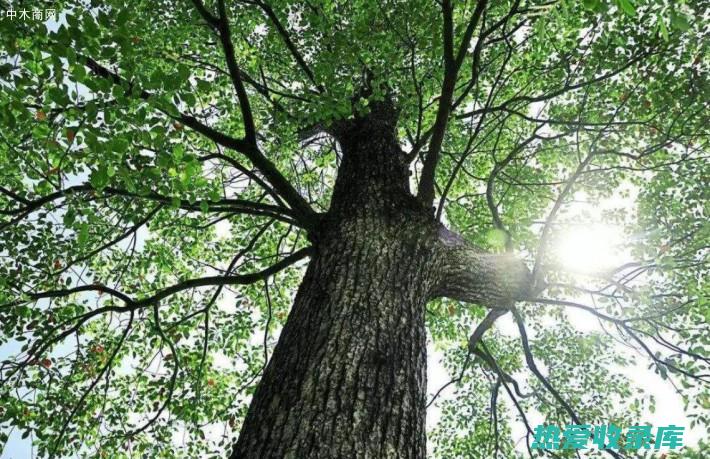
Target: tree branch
289	43
558	92
222	205
530	360
241	279
94	383
488	359
483	327
305	214
471	275
225	38
452	63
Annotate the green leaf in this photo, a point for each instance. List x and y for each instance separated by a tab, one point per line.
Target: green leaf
119	145
69	217
99	178
663	371
679	22
83	235
591	4
58	96
627	7
123	16
662	27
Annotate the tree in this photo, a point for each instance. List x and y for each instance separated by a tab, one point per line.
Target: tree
175	177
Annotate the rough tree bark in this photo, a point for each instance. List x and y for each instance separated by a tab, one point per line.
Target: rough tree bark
348	375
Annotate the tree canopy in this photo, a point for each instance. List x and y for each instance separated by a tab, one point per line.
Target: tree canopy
163	163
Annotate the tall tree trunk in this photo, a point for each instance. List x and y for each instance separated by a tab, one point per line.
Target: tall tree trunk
348	375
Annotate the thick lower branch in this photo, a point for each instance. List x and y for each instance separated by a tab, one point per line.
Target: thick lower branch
469	274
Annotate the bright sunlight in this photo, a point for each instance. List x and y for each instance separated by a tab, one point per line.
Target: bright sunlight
590	248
